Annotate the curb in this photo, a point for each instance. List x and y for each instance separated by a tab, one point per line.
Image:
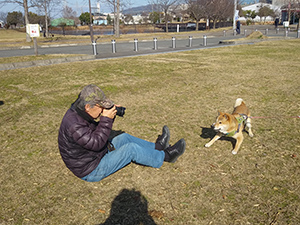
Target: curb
18	65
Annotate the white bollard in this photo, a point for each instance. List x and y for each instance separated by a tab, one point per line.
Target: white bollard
113	44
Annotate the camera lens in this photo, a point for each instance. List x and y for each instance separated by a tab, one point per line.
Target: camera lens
120	111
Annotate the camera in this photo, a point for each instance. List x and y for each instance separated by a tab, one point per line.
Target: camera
120	111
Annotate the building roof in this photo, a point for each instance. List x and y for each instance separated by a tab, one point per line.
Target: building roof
257	6
59	21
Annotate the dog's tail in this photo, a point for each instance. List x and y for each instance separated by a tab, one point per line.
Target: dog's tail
238	102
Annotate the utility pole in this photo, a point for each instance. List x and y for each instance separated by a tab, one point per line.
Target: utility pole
234	10
91	23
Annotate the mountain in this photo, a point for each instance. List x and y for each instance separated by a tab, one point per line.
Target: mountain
139	10
149	8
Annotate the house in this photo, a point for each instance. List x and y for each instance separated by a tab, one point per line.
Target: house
99	19
256	7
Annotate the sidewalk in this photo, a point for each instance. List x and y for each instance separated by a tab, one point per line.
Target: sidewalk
179	42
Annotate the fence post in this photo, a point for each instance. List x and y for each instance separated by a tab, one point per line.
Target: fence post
245	33
298	33
267	31
224	33
113	44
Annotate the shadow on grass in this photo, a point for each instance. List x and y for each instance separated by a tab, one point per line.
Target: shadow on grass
1	102
208	132
129	208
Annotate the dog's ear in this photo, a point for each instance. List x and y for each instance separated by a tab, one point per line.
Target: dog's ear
226	116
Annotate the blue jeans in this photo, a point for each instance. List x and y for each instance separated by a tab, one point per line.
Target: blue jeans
128	149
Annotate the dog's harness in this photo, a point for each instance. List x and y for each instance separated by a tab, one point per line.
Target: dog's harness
240	120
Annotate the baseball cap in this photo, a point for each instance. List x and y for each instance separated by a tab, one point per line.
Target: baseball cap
92	93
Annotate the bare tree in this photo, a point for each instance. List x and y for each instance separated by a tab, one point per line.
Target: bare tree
69	13
115	4
45	6
196	10
227	10
165	6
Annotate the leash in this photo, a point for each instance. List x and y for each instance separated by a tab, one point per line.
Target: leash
263	117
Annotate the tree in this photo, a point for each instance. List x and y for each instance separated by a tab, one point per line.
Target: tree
14	18
115	4
249	14
226	10
25	5
45	6
154	17
69	13
109	20
265	11
165	6
196	10
128	19
85	18
35	18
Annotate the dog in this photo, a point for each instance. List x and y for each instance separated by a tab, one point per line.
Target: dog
232	125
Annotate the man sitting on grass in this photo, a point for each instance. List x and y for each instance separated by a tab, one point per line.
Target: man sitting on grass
88	152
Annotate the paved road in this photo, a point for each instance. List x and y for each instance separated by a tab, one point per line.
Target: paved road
142	47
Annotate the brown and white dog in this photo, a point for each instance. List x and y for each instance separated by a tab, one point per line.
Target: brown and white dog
232	125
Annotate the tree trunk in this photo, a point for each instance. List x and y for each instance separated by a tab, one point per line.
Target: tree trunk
166	21
28	38
46	20
117	34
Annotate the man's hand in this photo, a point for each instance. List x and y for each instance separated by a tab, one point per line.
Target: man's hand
110	113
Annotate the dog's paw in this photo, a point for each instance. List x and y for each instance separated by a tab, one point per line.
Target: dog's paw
234	152
251	134
207	145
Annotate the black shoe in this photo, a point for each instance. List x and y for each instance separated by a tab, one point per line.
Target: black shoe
173	152
162	142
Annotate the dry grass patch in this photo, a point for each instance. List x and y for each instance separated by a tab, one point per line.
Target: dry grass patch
28	58
259	185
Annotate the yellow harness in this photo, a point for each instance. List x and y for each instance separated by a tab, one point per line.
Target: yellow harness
240	120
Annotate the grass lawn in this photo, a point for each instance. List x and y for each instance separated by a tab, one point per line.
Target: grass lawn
259	185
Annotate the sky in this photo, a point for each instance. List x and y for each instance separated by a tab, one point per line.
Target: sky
80	6
77	5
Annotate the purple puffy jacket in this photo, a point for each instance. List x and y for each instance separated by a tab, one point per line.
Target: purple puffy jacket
82	141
